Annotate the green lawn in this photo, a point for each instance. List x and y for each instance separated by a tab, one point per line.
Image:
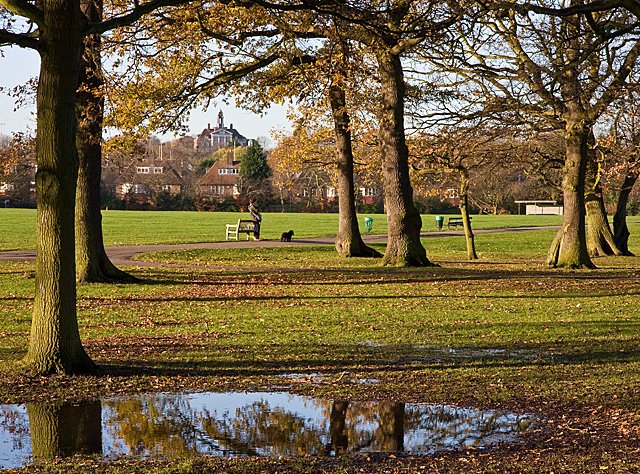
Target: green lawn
504	331
17	226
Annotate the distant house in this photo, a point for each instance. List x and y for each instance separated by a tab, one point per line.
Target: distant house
369	194
213	139
221	179
144	177
18	187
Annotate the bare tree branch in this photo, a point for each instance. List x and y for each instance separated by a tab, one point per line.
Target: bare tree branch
23	40
134	15
25	9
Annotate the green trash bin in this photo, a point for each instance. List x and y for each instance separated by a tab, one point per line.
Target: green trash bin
368	223
439	222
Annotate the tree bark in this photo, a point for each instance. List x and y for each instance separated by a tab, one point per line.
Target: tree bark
600	240
404	247
464	212
569	247
55	345
65	429
620	229
92	263
349	241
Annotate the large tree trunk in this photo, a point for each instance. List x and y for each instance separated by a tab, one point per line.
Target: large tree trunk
65	429
404	247
92	263
569	247
349	242
55	344
600	240
464	212
620	229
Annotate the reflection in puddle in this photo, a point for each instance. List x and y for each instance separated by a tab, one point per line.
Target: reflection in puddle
242	424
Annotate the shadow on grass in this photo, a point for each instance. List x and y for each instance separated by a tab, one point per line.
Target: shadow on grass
390	359
273	298
372	275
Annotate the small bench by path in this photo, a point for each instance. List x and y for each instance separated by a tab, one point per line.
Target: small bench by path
455	222
243	226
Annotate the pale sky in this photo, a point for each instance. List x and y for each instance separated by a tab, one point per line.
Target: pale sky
18	65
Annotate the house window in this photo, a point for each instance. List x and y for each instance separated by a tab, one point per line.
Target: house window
126	187
158	169
139	189
452	193
367	192
142	169
166	187
228	171
332	192
217	189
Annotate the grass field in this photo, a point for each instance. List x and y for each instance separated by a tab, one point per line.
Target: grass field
502	332
17	226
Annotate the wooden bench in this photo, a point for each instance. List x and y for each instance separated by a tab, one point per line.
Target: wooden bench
242	227
455	222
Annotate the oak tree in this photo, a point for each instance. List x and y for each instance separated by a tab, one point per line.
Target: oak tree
546	73
56	29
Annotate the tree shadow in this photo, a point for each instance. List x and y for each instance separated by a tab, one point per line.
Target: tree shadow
389	359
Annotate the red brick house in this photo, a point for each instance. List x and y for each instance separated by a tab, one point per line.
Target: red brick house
144	178
222	179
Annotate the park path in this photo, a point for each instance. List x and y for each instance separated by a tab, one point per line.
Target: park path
123	255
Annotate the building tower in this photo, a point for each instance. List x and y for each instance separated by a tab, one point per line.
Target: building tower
220	119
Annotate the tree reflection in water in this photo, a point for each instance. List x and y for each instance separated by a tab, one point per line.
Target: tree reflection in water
247	424
338	429
64	429
153	425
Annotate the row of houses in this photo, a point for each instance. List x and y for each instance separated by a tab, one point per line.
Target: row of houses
154	171
148	176
170	168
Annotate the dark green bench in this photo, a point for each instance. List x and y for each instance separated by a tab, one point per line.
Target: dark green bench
455	222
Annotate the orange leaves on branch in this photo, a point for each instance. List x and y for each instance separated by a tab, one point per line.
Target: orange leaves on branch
19	150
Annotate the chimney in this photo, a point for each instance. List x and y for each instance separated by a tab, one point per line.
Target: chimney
230	126
209	126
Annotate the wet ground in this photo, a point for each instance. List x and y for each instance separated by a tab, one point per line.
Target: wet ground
241	424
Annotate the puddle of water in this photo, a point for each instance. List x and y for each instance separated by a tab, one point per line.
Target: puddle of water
316	378
242	424
465	353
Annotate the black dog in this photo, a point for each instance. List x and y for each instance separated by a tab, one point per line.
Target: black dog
286	236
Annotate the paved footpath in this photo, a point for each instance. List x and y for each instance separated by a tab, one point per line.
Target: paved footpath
123	255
